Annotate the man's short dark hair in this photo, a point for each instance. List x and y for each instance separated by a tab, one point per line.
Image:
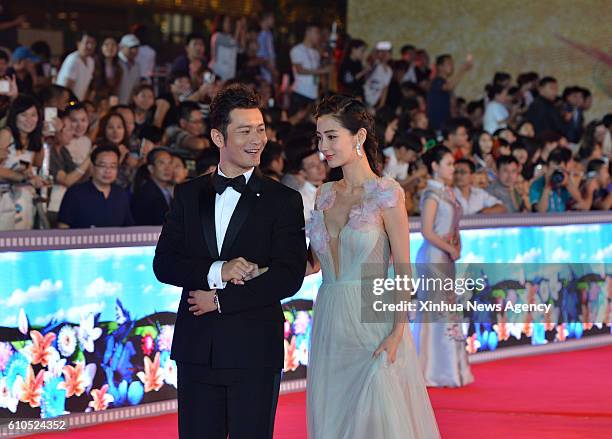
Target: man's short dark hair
116	108
547	80
177	75
519	144
209	157
232	97
568	91
504	160
76	107
586	93
271	152
186	108
559	156
594	166
470	164
549	136
409	141
4	56
41	48
84	33
407	48
194	36
501	77
441	59
152	156
355	43
472	106
175	154
452	125
105	147
524	78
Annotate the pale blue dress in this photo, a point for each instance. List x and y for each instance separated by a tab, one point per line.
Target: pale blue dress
350	394
439	337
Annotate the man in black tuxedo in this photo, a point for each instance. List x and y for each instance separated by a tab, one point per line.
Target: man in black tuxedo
234	241
151	201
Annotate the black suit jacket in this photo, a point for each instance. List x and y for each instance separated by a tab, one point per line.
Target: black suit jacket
545	116
149	206
267	228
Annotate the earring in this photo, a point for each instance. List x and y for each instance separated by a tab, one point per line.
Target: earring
358	148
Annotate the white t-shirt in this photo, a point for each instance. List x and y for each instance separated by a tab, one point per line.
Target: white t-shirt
308	191
479	199
376	83
79	71
226	55
308	58
146	60
495	113
79	149
394	168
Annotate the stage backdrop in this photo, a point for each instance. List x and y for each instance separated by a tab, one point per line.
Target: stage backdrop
86	329
571	40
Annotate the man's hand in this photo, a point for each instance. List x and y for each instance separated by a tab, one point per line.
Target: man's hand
237	269
202	302
252	275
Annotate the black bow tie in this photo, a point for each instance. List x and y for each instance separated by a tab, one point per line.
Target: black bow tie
221	183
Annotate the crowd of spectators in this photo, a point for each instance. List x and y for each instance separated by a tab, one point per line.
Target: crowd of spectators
95	141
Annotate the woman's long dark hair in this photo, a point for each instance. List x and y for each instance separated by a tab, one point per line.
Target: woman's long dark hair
102	130
589	142
20	104
353	115
104	86
475	139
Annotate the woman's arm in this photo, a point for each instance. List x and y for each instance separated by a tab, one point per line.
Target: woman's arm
312	263
213	50
73	177
12	176
428	216
397	228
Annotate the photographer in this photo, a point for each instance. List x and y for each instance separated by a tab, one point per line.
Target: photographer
597	184
555	191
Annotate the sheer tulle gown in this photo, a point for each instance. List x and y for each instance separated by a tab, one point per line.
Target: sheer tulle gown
350	394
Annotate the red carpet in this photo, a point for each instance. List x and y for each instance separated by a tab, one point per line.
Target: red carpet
560	396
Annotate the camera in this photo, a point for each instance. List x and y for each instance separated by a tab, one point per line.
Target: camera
556	179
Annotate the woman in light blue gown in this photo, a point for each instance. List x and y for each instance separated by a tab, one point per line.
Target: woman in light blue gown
440	341
364	381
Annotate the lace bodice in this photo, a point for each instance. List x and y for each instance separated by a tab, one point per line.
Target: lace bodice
362	240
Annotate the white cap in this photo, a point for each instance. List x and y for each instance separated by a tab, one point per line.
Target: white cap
129	40
383	45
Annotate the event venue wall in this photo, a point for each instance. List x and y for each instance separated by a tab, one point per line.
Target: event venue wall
571	40
85	326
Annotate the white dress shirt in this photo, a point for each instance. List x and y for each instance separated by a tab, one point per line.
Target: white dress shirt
394	168
308	191
225	204
479	199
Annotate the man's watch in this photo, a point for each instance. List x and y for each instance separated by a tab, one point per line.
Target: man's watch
216	302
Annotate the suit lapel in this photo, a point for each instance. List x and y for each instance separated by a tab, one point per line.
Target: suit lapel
207	215
245	205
